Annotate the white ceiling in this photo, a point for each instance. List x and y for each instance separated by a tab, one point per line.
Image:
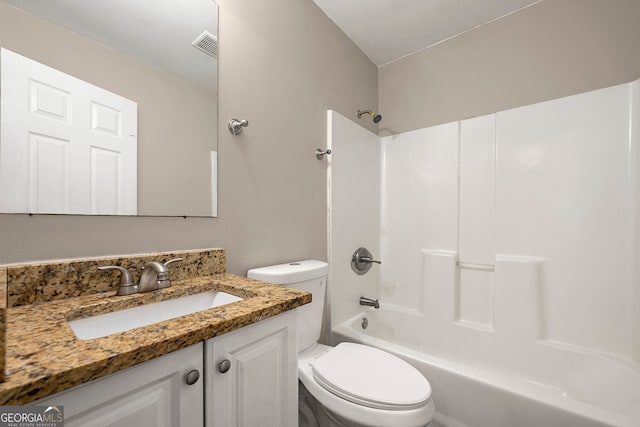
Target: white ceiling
161	35
386	30
158	33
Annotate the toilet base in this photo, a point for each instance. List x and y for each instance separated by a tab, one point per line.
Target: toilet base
310	411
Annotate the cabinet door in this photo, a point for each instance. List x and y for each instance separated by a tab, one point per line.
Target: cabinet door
152	394
261	386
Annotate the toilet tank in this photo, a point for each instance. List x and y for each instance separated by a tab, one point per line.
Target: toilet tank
310	276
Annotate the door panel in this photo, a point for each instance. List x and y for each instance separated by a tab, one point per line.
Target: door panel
49	168
106	181
40	100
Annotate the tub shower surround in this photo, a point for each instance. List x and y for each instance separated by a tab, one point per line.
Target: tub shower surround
43	356
510	242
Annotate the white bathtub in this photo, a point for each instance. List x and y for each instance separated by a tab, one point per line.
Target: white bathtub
552	387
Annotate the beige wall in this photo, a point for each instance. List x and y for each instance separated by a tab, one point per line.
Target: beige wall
171	110
283	63
552	49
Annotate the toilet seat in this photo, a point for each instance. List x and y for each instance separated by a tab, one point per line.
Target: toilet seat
371	377
351	413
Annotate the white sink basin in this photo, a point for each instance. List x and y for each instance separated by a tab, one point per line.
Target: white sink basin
131	318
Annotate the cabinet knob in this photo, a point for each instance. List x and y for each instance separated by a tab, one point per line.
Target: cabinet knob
224	366
192	377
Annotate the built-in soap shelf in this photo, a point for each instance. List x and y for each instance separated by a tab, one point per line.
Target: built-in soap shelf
502	298
475	266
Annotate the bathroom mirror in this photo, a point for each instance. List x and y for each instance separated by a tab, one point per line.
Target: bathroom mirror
162	58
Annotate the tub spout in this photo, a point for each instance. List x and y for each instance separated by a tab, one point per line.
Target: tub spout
369	302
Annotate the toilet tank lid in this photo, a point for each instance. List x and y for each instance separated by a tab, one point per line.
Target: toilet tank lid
291	272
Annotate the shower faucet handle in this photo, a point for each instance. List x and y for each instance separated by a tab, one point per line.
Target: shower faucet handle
361	261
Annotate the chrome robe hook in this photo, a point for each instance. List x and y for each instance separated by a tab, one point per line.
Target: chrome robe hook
320	153
235	126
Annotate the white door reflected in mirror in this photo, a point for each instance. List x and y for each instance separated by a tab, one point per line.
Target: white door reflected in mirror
144	54
67	146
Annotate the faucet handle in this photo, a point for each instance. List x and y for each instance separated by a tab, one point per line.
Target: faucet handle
163	278
127	285
361	261
173	260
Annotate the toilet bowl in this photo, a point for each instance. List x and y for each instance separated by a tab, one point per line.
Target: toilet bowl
354	384
352	397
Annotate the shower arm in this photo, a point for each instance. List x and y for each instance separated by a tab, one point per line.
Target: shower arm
376	117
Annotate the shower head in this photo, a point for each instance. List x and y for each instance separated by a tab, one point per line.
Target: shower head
376	117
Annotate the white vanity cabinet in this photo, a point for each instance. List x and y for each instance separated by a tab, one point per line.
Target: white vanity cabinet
248	377
152	394
252	375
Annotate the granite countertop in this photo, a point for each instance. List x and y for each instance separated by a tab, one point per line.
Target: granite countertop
45	357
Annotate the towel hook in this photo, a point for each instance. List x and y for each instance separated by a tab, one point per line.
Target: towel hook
320	153
235	126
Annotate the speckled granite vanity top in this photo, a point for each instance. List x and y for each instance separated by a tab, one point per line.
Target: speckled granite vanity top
43	356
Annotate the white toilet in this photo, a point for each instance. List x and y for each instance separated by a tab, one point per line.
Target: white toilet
355	385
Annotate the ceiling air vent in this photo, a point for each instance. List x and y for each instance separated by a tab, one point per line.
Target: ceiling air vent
206	42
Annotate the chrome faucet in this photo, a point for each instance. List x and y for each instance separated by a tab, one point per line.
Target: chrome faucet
155	275
369	302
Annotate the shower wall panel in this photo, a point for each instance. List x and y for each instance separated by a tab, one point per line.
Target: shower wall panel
562	193
542	201
634	150
354	212
477	190
476	223
419	208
